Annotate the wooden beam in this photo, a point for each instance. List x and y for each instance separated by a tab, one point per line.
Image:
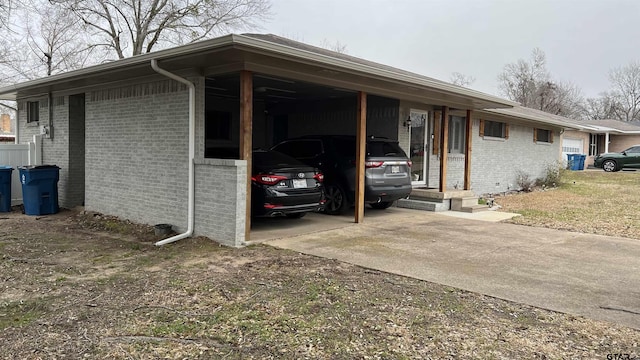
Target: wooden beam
361	143
444	148
467	152
246	133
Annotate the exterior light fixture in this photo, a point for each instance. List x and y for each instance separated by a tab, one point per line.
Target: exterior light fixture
407	123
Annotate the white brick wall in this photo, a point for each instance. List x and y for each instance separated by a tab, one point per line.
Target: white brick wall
137	164
495	163
221	200
136	155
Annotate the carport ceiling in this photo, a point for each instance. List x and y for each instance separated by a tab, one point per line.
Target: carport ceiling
273	89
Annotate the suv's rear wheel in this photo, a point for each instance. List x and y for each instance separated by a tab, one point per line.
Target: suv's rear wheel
381	205
336	199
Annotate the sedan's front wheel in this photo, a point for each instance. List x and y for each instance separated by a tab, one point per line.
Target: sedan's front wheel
609	166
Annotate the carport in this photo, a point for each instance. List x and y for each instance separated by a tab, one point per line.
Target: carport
277	76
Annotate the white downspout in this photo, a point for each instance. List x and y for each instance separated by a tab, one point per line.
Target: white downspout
17	139
192	146
606	142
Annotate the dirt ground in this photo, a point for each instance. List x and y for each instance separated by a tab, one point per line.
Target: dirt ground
83	285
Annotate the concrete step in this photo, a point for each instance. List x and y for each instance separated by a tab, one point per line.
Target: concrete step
458	203
474	209
436	196
422	205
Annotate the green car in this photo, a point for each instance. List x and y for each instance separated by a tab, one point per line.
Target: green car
629	158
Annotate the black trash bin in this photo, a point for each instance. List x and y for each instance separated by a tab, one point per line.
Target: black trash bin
5	188
40	189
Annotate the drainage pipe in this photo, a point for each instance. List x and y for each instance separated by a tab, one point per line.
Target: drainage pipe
192	141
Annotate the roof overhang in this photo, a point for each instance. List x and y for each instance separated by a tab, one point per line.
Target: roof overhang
514	115
237	52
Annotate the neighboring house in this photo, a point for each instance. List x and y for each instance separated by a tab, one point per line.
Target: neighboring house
595	137
166	137
5	124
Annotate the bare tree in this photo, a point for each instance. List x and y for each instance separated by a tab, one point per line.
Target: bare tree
46	40
520	81
336	46
132	27
5	11
600	108
625	92
461	79
530	84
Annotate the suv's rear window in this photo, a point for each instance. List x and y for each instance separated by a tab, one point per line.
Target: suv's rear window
347	148
384	148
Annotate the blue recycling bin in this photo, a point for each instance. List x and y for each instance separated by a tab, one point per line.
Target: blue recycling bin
5	188
581	159
40	189
572	161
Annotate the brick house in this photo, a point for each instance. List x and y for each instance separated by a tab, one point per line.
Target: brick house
166	137
595	137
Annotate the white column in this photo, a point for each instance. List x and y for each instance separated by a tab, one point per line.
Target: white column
606	142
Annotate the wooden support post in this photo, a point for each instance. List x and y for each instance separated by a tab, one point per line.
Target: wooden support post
246	133
444	148
361	143
467	152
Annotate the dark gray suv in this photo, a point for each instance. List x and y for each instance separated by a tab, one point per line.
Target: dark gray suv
387	173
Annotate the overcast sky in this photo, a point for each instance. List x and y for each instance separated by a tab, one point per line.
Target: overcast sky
582	39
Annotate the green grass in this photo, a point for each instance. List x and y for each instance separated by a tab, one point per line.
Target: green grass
21	313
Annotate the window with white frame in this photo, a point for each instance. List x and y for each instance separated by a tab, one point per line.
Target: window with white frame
593	144
456	134
33	111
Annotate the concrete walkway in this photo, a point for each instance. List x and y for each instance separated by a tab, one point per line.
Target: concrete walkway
594	276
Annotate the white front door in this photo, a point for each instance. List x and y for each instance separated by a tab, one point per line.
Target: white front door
418	146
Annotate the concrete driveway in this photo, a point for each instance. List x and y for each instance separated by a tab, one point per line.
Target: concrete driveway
594	276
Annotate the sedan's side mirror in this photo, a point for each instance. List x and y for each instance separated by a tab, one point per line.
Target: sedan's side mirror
624	153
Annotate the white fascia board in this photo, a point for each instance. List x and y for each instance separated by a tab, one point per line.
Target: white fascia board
532	118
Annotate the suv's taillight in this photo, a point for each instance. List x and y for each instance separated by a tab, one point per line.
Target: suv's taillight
409	163
319	177
268	179
373	164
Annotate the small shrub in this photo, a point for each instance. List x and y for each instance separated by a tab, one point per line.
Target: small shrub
524	181
553	174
